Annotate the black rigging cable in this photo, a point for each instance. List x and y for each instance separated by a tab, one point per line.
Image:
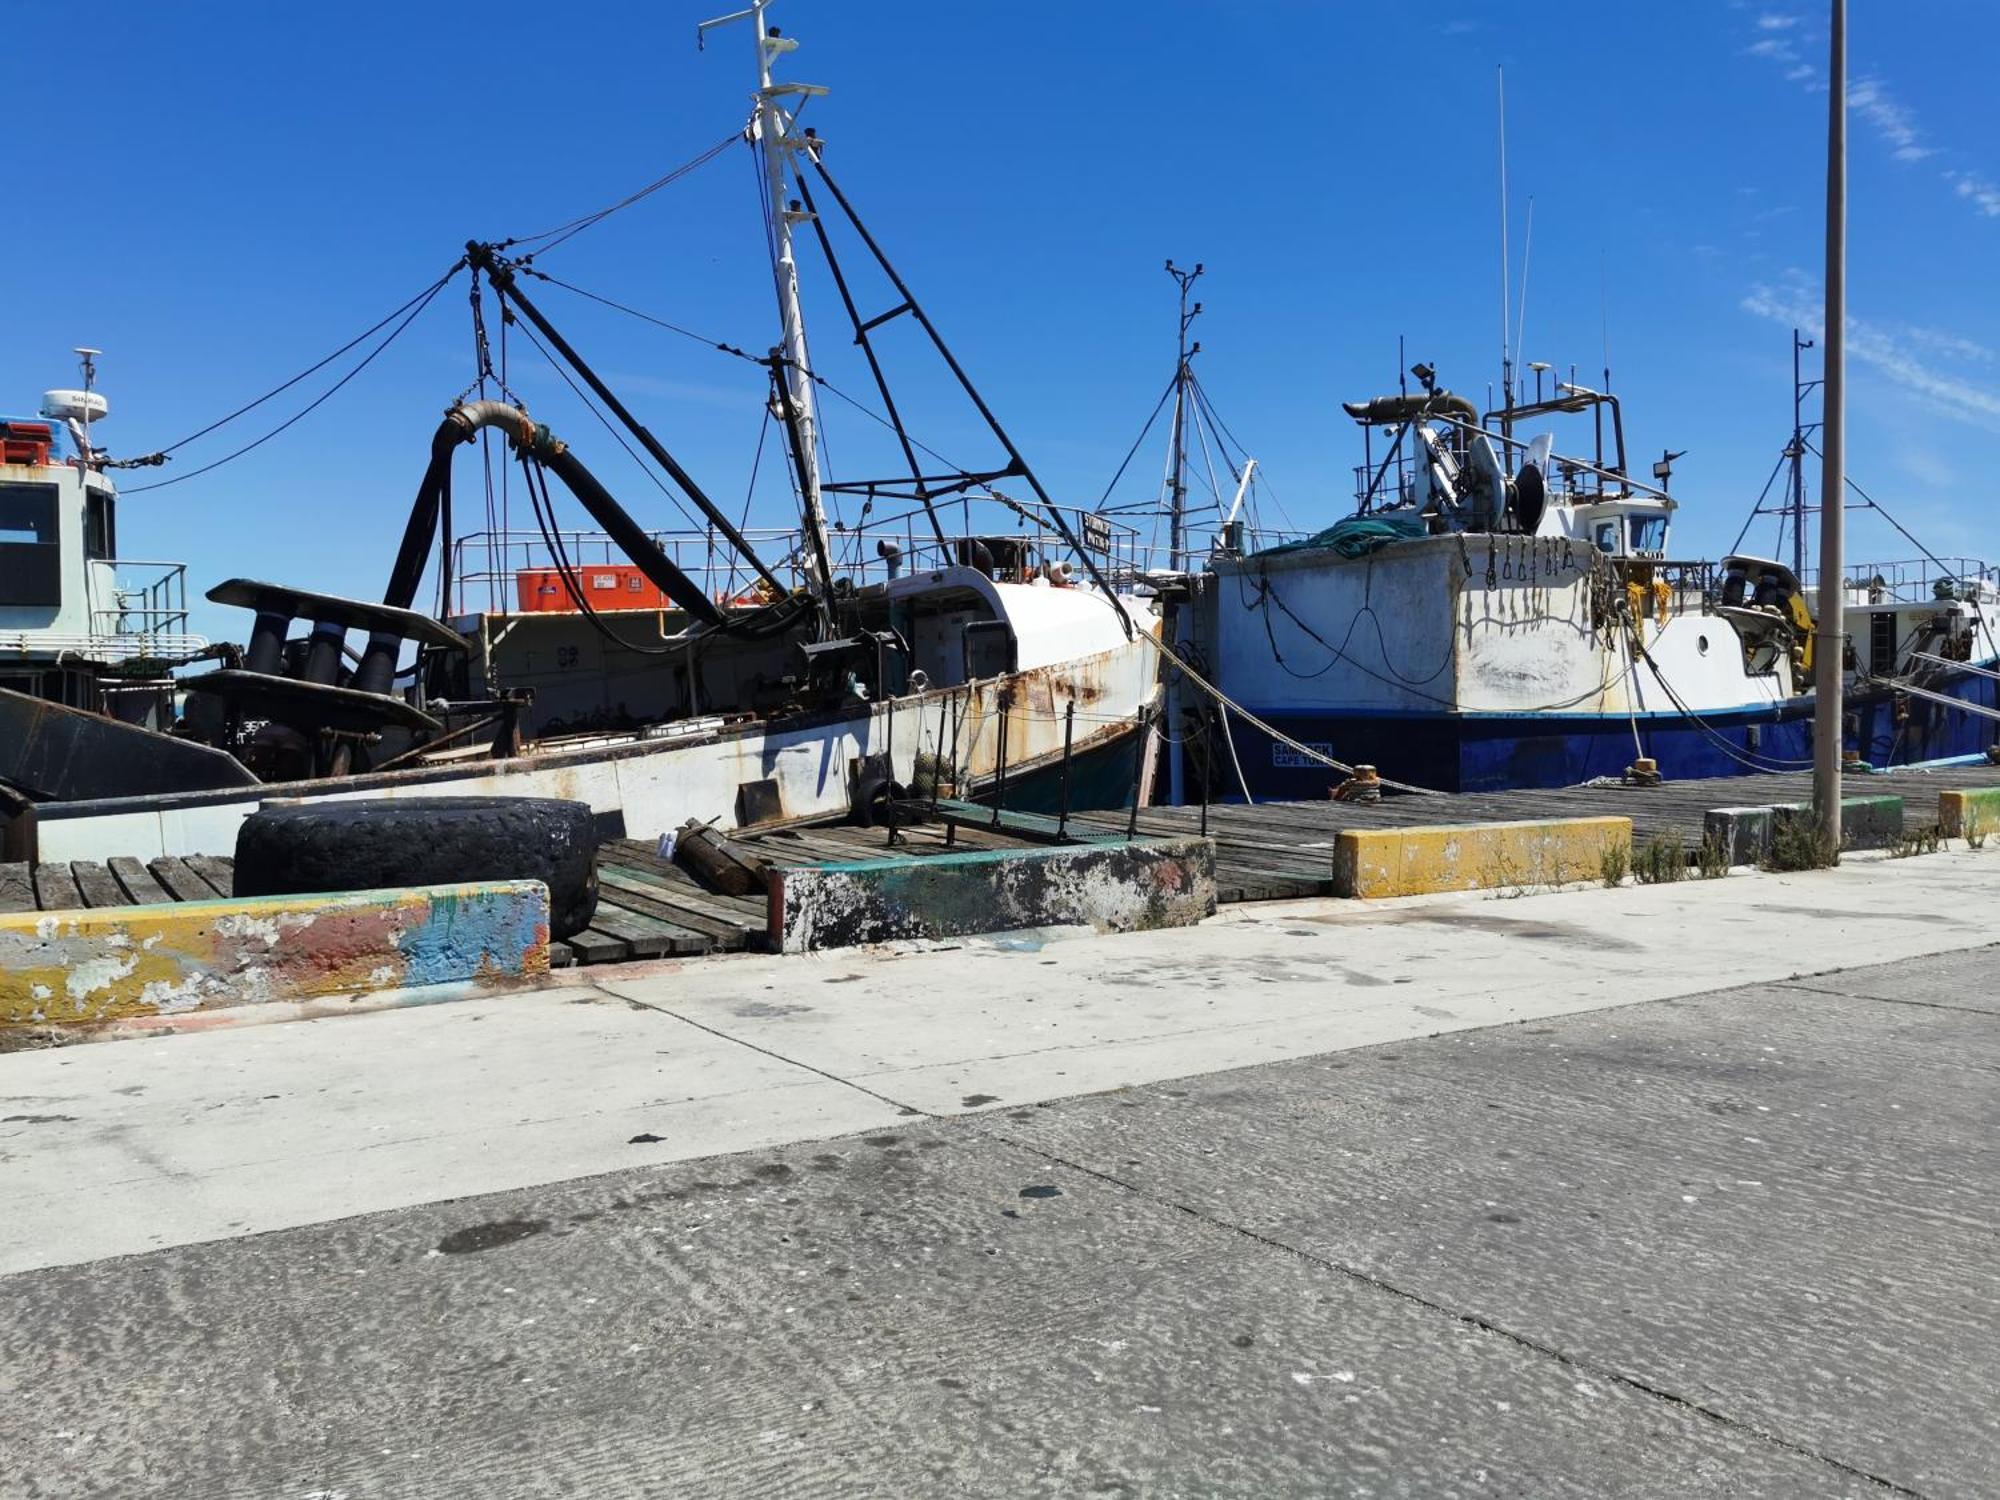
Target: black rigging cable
545	517
643	317
672	499
408	312
1158	407
574	227
1876	506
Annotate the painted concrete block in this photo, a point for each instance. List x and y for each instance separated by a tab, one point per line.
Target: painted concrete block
1744	831
1977	809
1865	822
1377	862
1113	887
137	963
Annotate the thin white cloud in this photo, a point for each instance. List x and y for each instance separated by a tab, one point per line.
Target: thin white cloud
1983	192
1779	38
1896	351
1868	98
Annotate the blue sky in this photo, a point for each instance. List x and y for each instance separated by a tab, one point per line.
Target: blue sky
221	201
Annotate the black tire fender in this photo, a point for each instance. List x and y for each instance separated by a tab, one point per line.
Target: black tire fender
383	844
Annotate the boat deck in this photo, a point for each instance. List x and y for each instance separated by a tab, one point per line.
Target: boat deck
650	908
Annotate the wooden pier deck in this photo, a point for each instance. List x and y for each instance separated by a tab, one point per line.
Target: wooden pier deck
650	908
1264	852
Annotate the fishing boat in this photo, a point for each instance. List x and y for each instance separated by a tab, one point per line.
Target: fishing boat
1498	614
1018	654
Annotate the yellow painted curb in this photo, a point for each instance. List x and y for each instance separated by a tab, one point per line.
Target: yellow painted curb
1976	808
1376	862
125	963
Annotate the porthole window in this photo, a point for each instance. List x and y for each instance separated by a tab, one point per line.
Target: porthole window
1701	644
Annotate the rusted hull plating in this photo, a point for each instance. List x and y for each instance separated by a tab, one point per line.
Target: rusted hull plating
735	776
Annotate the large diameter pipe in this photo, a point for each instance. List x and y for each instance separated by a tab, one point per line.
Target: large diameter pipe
1830	629
1386	409
460	426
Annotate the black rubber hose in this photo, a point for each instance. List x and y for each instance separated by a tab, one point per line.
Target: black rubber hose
460	425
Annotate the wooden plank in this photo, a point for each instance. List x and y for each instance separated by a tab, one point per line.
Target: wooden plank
17	887
593	947
749	910
181	882
649	937
729	934
55	888
561	956
220	873
98	888
138	882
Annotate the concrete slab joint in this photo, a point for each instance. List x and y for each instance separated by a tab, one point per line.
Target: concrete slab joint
1380	862
1122	886
141	963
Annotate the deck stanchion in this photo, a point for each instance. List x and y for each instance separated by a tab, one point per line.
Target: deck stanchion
951	829
1207	764
1069	737
937	754
1138	773
1000	768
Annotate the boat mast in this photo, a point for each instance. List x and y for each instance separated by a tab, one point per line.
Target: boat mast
1177	462
1797	454
771	131
1506	291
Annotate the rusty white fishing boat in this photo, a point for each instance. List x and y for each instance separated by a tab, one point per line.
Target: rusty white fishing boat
657	676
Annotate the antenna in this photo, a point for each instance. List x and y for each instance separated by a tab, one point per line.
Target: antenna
1177	516
88	359
1527	256
1506	289
1604	317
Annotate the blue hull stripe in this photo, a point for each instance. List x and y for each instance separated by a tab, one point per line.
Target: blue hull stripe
1495	752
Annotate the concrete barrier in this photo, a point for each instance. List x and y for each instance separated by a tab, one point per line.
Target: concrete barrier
1376	862
152	963
1865	823
1975	810
1113	887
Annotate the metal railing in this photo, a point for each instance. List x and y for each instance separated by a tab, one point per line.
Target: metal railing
145	617
487	565
1916	580
1390	480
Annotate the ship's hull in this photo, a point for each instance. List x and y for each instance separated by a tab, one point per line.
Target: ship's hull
735	776
1475	752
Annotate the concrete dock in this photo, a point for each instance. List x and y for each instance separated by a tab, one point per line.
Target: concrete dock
1667	1190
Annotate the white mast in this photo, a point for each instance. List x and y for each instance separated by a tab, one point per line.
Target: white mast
771	129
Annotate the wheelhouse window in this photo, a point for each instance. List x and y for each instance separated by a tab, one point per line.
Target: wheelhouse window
30	549
100	527
28	514
1648	533
1607	537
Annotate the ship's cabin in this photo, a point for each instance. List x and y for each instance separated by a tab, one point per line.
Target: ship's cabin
80	625
1635	528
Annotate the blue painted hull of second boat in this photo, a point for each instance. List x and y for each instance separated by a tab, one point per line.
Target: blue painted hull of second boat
1496	752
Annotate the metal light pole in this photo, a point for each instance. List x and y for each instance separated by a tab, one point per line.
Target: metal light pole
1829	630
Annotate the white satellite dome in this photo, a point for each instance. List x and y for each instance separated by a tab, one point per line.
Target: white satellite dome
75	406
